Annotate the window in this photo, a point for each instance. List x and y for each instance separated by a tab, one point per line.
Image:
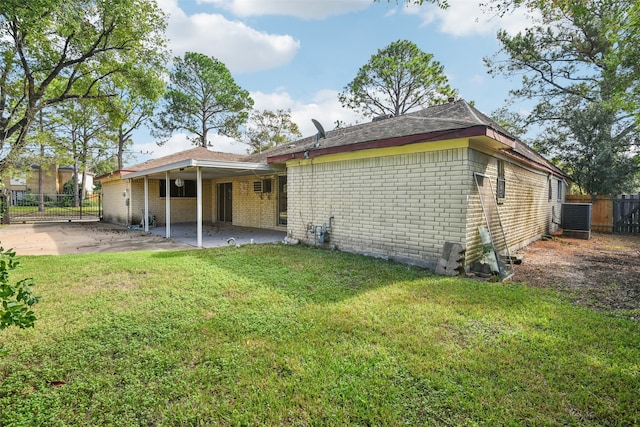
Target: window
188	189
550	189
559	190
266	186
501	187
263	186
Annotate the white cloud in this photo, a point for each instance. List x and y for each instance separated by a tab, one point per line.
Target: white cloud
180	142
469	18
240	47
305	9
324	107
391	12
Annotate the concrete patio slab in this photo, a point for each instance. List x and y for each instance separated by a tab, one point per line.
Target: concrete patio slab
60	238
219	235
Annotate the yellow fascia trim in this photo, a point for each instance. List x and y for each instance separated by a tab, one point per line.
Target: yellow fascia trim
420	147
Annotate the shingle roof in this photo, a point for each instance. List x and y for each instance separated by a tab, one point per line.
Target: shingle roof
433	123
198	153
452	116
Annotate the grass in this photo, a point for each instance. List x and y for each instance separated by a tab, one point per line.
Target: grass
281	335
16	211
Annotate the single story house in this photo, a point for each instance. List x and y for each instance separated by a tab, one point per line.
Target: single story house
402	188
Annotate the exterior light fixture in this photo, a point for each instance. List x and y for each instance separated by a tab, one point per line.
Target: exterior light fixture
179	182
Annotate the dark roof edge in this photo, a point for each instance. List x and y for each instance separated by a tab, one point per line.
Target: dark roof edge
545	167
478	130
113	173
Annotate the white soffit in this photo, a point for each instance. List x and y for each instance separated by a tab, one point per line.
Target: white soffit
205	164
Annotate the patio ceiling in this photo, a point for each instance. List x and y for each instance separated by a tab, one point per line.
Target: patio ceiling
187	169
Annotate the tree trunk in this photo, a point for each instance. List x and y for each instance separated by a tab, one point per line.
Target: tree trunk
122	139
76	202
83	166
41	181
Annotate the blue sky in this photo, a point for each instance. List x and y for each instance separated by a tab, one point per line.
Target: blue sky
299	54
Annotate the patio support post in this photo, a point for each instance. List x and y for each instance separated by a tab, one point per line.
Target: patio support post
199	203
145	219
167	204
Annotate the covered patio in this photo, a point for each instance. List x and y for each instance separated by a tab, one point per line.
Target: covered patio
217	235
199	228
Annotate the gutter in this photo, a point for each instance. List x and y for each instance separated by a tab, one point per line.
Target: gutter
473	131
199	163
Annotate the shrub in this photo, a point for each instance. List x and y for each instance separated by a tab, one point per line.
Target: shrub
16	299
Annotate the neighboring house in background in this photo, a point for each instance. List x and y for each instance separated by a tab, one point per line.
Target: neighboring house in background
53	180
399	188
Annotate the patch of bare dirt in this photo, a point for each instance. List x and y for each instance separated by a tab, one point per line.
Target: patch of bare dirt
79	238
602	273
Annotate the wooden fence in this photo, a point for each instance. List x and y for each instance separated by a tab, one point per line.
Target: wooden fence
626	213
612	215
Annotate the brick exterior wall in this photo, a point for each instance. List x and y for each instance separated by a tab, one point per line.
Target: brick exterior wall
398	205
114	201
183	209
402	207
250	209
526	211
405	207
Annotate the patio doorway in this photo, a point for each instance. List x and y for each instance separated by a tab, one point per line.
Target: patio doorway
224	201
282	200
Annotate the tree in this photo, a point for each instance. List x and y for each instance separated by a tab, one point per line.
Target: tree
267	129
83	134
606	34
56	50
572	69
628	56
41	151
396	80
133	105
511	121
202	96
593	149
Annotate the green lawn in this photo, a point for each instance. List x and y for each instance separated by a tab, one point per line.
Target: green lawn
282	335
17	211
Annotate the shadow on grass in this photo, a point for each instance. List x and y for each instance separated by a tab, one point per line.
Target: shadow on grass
229	334
319	276
304	273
